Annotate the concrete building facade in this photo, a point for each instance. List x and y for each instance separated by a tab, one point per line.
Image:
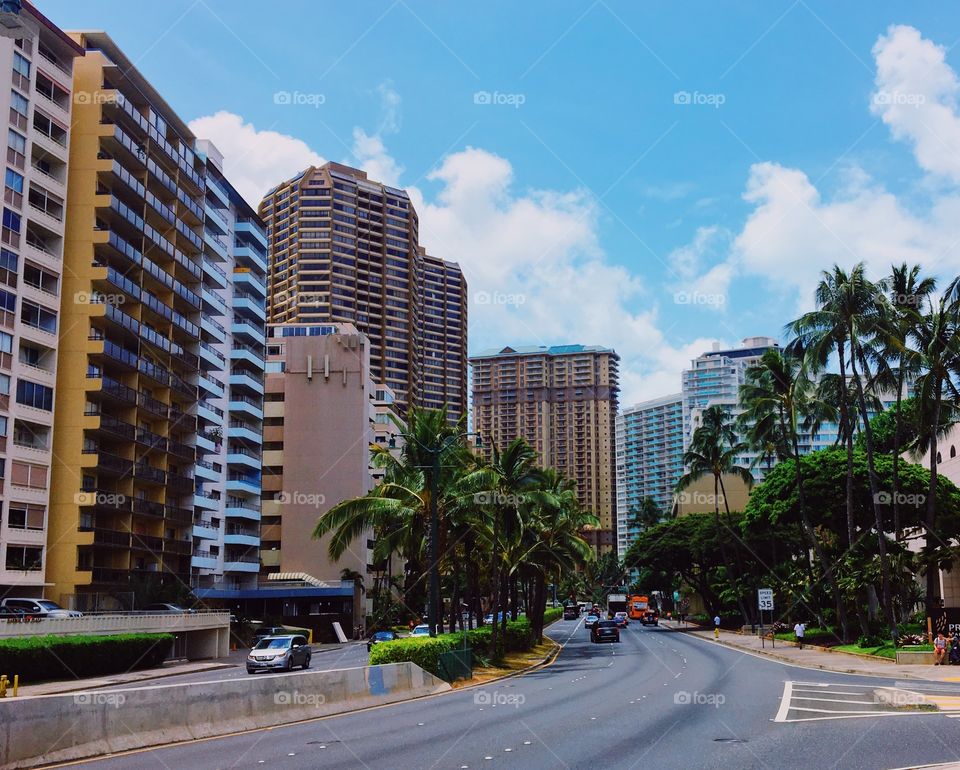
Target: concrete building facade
345	249
226	524
649	460
37	60
121	511
563	401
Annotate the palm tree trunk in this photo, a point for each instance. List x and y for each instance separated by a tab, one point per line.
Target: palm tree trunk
886	592
740	602
933	574
897	437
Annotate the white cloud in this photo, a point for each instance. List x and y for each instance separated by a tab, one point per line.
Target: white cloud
916	97
254	160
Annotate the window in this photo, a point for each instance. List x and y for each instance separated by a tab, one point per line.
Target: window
10	233
13	189
25	516
27	558
34	394
21	65
8	260
28	475
38	316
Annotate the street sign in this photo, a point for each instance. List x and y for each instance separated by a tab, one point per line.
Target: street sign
765	599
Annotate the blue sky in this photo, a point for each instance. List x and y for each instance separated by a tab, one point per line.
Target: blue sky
651	176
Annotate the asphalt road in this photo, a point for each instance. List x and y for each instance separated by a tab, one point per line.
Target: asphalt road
658	699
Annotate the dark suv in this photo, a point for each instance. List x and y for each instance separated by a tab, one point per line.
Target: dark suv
605	631
571	612
649	618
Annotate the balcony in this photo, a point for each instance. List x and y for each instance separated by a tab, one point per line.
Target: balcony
241	430
209	412
249	354
108	464
148	474
210	386
212	357
239	508
244	405
238	455
208	471
214	274
247	280
254	333
207	501
246	228
246	379
203	560
204	529
250	565
249	306
215	305
239	535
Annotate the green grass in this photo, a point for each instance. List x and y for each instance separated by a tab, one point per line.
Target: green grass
886	650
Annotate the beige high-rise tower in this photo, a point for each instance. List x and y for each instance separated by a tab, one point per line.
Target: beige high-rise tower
345	249
563	400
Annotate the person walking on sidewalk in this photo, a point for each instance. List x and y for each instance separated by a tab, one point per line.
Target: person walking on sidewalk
799	630
716	627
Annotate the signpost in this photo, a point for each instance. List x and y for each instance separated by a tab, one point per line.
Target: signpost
765	602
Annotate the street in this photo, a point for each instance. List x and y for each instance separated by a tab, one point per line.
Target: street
659	698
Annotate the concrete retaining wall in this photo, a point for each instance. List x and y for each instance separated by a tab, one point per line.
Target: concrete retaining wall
907	657
57	728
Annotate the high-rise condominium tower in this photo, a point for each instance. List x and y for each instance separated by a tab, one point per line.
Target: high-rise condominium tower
345	248
563	401
36	103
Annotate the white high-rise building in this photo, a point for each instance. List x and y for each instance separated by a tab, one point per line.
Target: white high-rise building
649	460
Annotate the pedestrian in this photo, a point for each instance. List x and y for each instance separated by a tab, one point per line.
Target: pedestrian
799	630
939	649
716	627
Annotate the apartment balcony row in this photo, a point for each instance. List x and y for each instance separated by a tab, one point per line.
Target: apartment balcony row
108	501
117	391
133	541
238	429
244	278
123	577
128	359
240	352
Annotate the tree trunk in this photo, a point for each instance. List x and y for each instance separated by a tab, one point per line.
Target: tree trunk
886	597
933	574
848	426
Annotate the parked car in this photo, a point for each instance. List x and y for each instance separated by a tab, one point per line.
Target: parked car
279	653
488	618
165	607
649	618
264	631
620	618
421	630
605	631
382	636
36	608
591	620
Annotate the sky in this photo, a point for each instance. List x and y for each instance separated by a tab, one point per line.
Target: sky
650	176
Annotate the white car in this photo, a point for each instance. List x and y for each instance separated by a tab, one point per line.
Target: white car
37	608
422	630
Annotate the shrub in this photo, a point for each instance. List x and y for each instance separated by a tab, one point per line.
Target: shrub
869	640
423	652
911	639
39	658
554	613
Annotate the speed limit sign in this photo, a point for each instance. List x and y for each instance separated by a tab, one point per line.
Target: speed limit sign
765	599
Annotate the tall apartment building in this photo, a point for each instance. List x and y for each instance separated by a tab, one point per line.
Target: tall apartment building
37	101
345	249
715	377
318	427
122	501
226	524
563	401
649	460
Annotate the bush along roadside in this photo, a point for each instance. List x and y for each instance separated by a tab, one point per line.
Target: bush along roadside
425	652
42	658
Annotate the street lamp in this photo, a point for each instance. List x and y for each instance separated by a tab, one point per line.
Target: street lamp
435	451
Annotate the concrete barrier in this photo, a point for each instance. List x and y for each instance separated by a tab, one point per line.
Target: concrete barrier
58	728
908	657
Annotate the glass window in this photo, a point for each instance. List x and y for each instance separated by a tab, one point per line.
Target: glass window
11	220
21	64
24	557
8	302
34	394
8	259
19	102
16	141
14	181
39	317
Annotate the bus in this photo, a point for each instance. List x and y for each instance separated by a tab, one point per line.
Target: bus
637	606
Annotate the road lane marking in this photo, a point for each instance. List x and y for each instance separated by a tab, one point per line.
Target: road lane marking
784	702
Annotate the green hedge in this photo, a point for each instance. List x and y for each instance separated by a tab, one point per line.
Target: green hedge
425	652
39	658
554	613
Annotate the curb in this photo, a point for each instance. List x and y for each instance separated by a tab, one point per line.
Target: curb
79	685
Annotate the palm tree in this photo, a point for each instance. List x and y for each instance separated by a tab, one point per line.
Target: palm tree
848	321
507	482
908	294
779	400
649	514
397	511
713	452
936	337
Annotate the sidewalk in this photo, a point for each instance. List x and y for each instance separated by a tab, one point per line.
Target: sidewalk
234	659
821	657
